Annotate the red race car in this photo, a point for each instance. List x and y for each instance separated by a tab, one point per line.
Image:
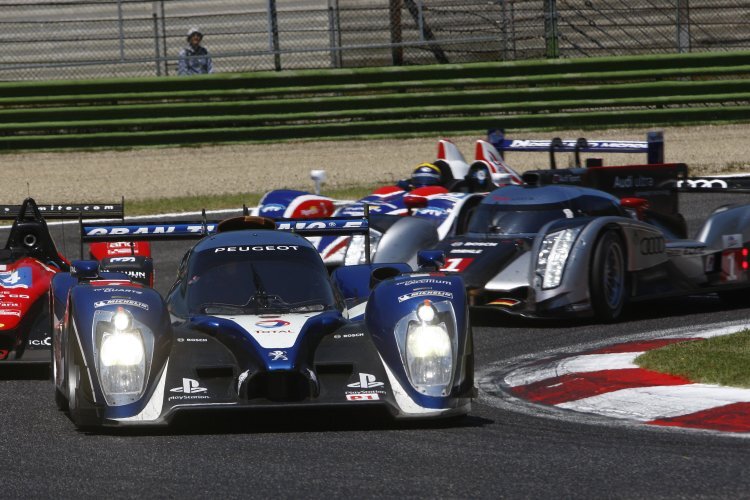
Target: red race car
30	259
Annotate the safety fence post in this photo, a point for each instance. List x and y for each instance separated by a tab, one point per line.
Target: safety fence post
551	34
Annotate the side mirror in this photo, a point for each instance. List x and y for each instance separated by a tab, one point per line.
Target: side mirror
318	177
502	179
85	269
382	273
637	204
430	259
413	202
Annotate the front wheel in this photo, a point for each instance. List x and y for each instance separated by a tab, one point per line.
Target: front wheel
607	281
60	400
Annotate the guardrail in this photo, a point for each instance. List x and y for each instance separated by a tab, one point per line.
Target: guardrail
442	99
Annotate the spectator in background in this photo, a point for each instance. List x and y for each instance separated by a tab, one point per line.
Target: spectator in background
194	59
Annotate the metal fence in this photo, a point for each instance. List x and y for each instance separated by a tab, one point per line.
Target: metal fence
68	39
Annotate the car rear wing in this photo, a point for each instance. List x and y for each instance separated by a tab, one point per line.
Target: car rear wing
657	183
193	230
58	211
715	184
653	146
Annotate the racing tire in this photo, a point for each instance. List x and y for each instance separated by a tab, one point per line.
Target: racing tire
607	279
60	399
71	380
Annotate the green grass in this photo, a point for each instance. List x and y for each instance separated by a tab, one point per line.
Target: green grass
723	360
227	200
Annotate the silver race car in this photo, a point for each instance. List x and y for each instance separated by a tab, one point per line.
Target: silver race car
557	247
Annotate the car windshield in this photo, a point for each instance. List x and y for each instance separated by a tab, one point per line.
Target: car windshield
258	283
507	219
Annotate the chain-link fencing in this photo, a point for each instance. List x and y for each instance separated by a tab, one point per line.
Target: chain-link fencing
73	39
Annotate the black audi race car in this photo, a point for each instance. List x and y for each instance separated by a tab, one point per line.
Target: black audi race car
558	247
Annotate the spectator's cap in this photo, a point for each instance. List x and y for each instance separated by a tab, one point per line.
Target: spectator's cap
426	174
194	31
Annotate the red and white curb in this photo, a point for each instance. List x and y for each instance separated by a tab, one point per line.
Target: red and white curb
606	382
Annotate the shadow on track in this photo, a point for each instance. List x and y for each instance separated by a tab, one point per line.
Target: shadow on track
37	371
286	421
661	309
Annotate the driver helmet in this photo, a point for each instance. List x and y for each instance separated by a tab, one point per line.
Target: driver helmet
426	174
194	31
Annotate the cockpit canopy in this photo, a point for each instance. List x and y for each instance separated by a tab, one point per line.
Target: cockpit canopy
226	275
513	210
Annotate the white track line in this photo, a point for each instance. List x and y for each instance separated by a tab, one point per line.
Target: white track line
650	403
576	364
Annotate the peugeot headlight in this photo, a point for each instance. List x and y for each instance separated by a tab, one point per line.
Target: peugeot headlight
355	252
429	347
121	355
121	349
553	254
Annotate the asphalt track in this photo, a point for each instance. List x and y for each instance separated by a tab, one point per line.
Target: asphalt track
498	451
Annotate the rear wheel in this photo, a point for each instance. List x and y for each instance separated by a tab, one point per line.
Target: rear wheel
607	281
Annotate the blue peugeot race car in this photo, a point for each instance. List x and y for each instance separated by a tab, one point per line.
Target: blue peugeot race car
254	321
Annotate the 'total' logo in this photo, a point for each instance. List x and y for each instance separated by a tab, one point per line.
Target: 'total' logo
272	323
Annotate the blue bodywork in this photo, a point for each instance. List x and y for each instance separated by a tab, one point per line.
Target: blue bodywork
276	333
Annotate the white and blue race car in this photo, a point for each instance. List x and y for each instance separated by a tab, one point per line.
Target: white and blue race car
439	197
254	321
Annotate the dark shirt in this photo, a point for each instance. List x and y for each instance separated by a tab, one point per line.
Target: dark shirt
194	61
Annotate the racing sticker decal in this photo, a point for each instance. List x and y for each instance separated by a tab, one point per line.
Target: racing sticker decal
348	335
272	323
192	339
457	264
732	240
121	302
369	388
633	181
366	381
733	262
363	396
474	243
423	293
46	342
126	288
271	332
425	281
272	208
257	248
278	356
190	389
17	278
466	250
